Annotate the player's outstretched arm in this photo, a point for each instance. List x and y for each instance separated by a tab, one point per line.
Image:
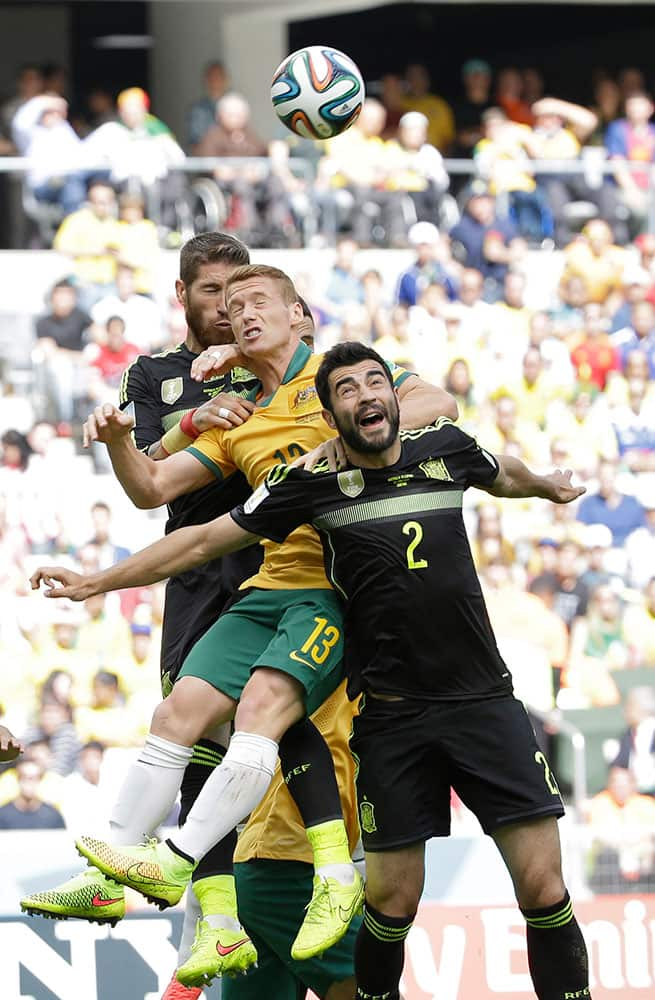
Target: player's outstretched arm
515	480
147	483
421	403
181	550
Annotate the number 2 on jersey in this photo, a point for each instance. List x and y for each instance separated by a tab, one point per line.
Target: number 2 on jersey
416	530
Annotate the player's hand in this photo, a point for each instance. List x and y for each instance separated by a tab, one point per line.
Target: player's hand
216	361
107	424
222	411
10	747
332	450
560	487
75	586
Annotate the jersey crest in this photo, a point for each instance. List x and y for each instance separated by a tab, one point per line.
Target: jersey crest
351	482
435	468
171	390
303	400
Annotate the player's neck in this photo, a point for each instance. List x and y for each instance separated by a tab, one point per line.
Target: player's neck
374	460
271	369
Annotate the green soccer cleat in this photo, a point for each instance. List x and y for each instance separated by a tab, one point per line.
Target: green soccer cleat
216	952
328	916
153	869
88	896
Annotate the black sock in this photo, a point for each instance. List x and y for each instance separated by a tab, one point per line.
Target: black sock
308	770
557	954
206	756
380	955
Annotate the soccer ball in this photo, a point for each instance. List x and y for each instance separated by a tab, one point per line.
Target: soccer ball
317	92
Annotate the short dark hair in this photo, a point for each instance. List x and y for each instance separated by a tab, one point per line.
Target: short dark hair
351	352
207	248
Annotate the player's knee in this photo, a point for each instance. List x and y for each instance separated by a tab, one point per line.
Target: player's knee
398	900
174	719
270	703
539	886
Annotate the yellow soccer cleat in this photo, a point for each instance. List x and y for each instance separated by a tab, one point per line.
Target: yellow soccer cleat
330	910
216	951
153	869
88	896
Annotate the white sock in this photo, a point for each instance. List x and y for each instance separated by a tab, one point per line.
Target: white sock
192	914
149	790
232	790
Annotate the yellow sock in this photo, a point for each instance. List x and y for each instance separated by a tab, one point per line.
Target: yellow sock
329	843
217	894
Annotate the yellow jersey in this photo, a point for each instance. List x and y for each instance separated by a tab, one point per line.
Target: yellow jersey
284	426
275	829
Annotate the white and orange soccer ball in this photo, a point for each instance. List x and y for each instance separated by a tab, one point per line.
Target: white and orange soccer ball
317	92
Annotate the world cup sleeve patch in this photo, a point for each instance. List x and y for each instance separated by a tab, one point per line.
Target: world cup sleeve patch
171	390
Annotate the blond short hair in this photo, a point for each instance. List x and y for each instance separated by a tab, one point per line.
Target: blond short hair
241	274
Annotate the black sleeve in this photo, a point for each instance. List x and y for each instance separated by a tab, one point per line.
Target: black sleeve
278	506
478	467
138	392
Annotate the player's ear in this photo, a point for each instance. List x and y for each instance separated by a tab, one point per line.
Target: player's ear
180	292
329	419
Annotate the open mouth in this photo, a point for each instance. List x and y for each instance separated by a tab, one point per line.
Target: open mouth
252	333
371	418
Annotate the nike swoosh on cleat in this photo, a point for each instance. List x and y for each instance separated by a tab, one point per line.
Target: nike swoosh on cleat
134	874
99	901
347	915
223	951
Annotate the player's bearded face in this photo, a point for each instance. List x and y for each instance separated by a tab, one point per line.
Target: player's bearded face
204	305
369	422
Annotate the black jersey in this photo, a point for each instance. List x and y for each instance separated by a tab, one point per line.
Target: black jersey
160	391
397	552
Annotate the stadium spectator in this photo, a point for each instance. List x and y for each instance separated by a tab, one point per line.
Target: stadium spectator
56	170
107	551
54	726
621	513
533	84
28	84
107	719
469	108
640	628
637	283
28	811
606	106
509	332
104	634
502	158
598	262
596	541
259	205
505	434
638	334
109	361
142	317
433	265
139	244
535	390
459	384
637	746
488	544
554	354
509	96
91	238
142	156
621	823
640	544
396	343
344	286
481	240
392	95
80	795
473	311
201	115
60	367
594	356
634	426
441	127
355	173
571	594
598	645
631	81
632	140
419	171
376	303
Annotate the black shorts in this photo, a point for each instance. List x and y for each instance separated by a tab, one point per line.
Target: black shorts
410	753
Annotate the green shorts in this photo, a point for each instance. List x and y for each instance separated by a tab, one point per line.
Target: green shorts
299	632
272	899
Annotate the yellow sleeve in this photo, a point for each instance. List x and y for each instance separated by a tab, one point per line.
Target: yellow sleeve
212	449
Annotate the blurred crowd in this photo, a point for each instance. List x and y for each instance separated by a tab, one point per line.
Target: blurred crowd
548	164
550	354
